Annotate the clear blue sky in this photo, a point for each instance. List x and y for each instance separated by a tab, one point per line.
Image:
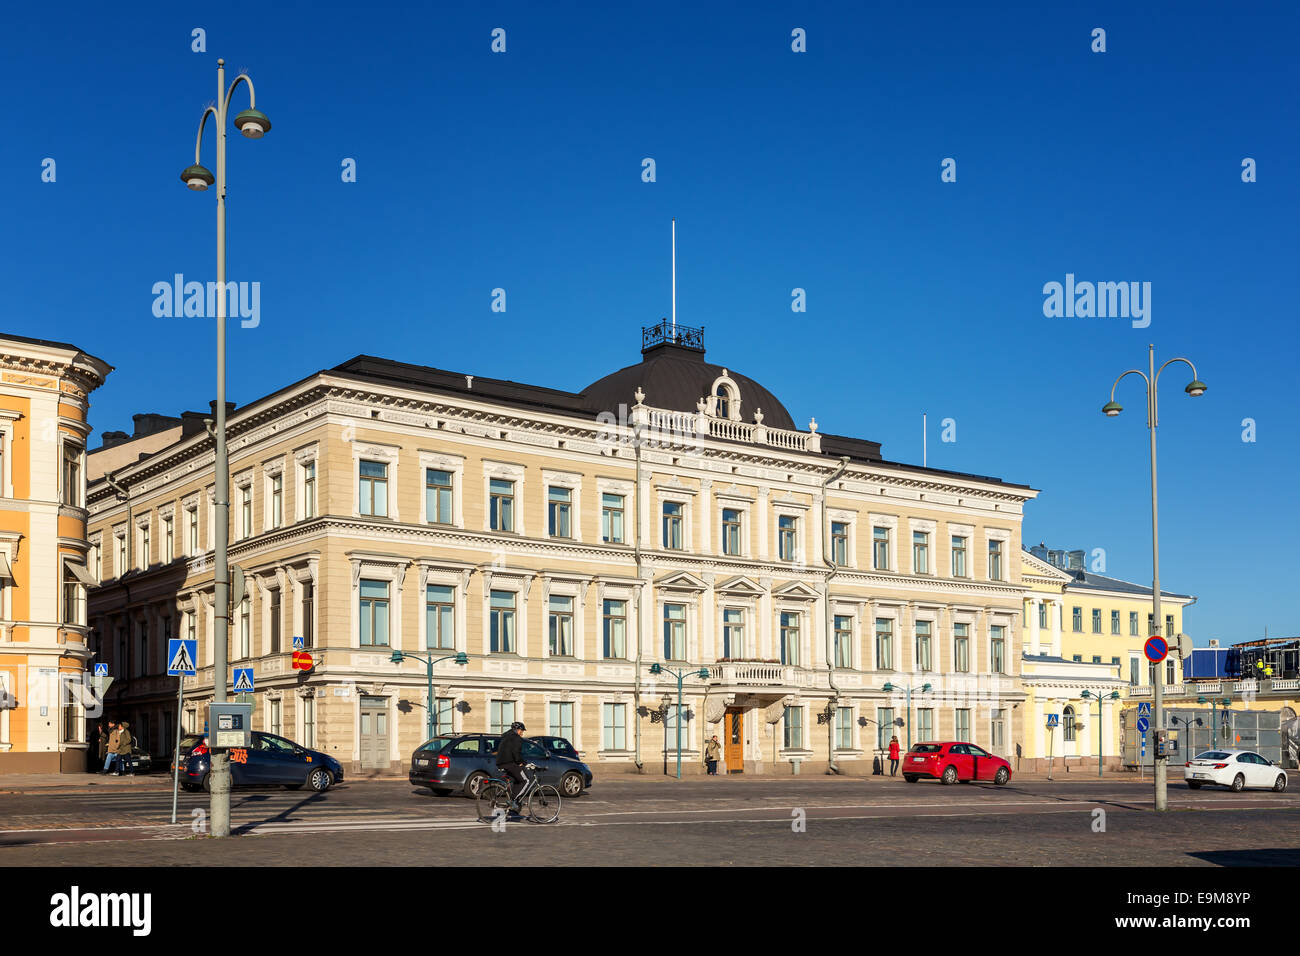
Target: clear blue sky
819	170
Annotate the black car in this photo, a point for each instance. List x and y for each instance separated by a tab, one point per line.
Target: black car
461	762
270	761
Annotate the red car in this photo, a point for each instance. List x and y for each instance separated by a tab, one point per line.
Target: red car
951	762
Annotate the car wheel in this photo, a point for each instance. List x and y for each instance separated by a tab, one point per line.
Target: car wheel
571	784
949	774
910	777
1002	776
474	783
1193	785
207	782
1280	783
320	779
1238	783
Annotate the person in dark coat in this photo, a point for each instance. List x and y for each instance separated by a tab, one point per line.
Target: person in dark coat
893	756
124	749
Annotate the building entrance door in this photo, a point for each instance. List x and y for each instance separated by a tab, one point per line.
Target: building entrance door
733	724
374	733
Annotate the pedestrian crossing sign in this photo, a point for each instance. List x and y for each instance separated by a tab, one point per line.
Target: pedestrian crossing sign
298	643
1144	709
180	656
101	670
1053	720
243	680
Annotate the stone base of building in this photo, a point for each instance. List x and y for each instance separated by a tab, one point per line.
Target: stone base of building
1069	765
68	761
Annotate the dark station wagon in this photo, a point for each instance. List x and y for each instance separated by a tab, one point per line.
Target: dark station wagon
459	763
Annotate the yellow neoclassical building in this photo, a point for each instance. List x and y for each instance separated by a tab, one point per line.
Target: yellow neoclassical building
672	512
1084	631
44	400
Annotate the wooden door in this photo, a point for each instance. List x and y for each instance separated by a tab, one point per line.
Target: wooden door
733	747
374	733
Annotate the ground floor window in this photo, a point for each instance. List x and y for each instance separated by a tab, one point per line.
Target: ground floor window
884	726
442	715
502	716
273	717
561	719
1067	724
925	724
844	728
308	722
997	738
615	727
794	728
962	731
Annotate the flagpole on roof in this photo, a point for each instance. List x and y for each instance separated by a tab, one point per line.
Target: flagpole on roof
674	278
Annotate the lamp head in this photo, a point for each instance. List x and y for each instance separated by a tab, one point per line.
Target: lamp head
253	124
1086	694
197	178
704	673
1111	409
462	658
888	688
925	688
656	669
397	657
1196	388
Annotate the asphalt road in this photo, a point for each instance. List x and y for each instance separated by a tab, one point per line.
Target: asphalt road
653	821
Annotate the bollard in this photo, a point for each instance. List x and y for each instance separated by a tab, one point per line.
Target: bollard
794	766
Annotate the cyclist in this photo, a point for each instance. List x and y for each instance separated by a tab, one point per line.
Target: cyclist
510	756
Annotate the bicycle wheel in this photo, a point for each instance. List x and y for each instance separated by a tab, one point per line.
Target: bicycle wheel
544	805
493	800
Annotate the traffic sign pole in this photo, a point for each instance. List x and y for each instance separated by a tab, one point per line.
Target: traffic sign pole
176	757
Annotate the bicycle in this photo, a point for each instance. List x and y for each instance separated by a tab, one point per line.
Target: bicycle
543	800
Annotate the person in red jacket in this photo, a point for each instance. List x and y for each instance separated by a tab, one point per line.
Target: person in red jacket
893	756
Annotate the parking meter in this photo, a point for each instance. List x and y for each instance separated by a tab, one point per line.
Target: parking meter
231	726
1166	743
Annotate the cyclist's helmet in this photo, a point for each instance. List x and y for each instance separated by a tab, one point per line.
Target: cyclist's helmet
517	726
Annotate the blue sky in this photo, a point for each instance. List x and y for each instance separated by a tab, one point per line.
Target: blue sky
818	170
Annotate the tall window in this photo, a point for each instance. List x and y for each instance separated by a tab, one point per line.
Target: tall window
675	632
246	511
374	613
1077	619
1133	624
1042	614
308	721
843	640
501	716
273	716
1114	622
501	508
840	543
503	622
880	548
1134	671
1169	625
611	518
995	560
560	626
844	728
277	500
962	715
275	620
672	525
958	556
730	531
722	405
998	646
559	505
961	647
245	629
789	638
437	496
191	625
192	519
920	552
308	613
72	475
309	489
169	539
614	736
998	728
614	629
439	617
71	597
793	728
884	726
924	660
884	644
1067	723
560	723
1170	679
120	563
373	488
442	715
733	633
925	723
144	547
1096	620
787	537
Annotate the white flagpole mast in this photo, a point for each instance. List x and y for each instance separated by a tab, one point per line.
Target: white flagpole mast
674	278
924	437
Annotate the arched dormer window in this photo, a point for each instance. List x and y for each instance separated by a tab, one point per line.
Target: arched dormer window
725	397
722	402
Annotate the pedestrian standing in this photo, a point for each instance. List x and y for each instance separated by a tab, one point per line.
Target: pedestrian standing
114	734
103	742
893	756
124	750
712	750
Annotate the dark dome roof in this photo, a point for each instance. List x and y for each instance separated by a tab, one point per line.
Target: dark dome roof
676	377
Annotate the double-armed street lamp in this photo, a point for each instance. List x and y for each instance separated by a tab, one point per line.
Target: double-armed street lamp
1101	698
1111	409
253	125
1215	703
460	658
889	688
703	674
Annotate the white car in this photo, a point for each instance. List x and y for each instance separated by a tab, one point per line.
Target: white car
1237	769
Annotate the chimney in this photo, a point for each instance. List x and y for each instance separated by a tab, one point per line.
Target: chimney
149	423
112	439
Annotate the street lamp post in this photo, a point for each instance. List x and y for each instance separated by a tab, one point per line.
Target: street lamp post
1112	408
460	658
889	688
1214	703
1101	699
254	125
703	674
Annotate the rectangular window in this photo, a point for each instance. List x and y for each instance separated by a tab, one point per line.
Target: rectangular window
789	638
884	726
246	511
71	597
672	529
372	492
308	721
1114	662
559	509
844	728
560	626
995	560
437	496
277	500
840	543
1169	625
1096	658
439	617
611	518
961	647
191	625
843	640
880	548
121	567
275	620
733	633
308	613
503	622
72	475
998	646
501	507
614	735
443	708
169	540
246	629
502	715
374	613
674	632
1170	679
1133	624
884	644
730	531
925	724
958	556
793	728
560	723
1096	620
924	660
998	731
1134	671
192	519
962	731
144	547
273	716
1076	617
1042	614
787	537
920	552
309	490
614	630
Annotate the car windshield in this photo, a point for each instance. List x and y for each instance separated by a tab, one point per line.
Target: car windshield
1213	755
437	743
190	741
926	748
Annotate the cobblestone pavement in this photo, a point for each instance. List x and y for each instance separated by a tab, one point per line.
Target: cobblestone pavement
650	820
